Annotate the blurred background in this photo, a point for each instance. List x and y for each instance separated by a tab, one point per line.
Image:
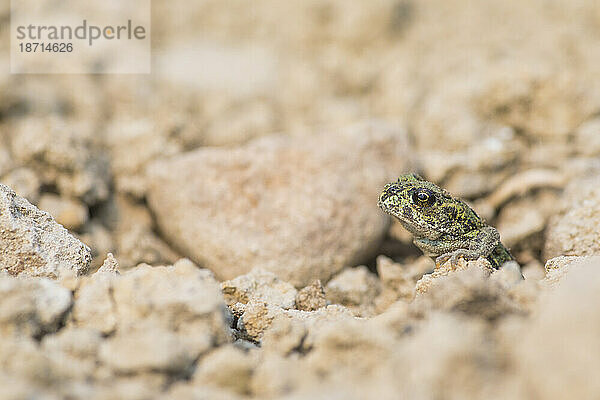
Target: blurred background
485	90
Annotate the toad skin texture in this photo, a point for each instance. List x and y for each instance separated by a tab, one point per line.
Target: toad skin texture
444	228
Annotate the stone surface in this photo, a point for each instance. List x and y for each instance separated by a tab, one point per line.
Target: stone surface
468	290
146	350
557	268
70	213
573	231
227	368
311	297
33	243
299	208
63	154
259	285
31	306
355	288
569	325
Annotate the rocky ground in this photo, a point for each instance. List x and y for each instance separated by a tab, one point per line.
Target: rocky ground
211	231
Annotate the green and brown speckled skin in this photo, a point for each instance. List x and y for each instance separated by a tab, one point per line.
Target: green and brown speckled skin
444	228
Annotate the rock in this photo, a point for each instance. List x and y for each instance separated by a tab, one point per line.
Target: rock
524	182
73	353
461	359
284	336
110	265
100	241
355	288
226	368
65	155
533	270
183	391
447	268
398	281
518	221
133	234
308	194
563	332
573	231
33	243
31	306
25	182
94	304
146	350
258	317
558	267
5	159
470	290
311	297
124	133
521	222
259	285
179	298
70	213
588	137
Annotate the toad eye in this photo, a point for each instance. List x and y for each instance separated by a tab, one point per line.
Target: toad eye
423	197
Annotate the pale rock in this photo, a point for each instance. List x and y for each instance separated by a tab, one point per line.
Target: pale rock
558	267
25	182
146	350
63	153
70	213
183	391
311	297
259	285
471	291
31	306
573	231
563	333
588	137
110	265
95	306
224	207
33	243
227	368
355	288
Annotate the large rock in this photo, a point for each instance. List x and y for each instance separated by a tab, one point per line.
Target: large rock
558	348
180	298
573	231
302	208
32	243
31	306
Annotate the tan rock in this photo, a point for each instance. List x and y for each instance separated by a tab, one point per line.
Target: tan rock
398	282
355	288
64	153
110	265
563	332
574	230
259	285
146	350
25	182
296	190
95	306
558	267
227	368
311	297
70	213
33	243
31	307
470	290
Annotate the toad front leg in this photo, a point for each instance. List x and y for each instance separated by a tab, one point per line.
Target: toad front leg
471	246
